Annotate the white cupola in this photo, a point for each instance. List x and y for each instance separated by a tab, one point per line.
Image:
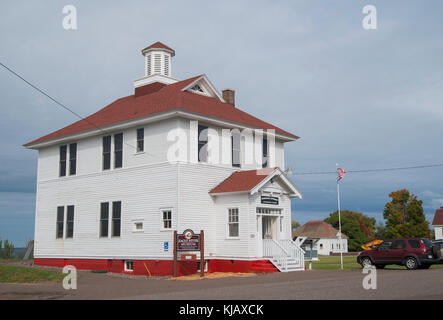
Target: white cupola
158	59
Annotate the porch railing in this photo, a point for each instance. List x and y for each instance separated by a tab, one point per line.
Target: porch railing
284	254
273	250
294	251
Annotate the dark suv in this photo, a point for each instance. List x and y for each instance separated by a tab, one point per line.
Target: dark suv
412	253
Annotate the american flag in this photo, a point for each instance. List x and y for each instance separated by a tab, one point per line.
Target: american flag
341	173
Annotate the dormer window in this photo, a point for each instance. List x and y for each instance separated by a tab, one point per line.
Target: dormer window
197	88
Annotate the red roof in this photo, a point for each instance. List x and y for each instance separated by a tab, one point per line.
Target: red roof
438	217
317	230
162	99
242	181
159	45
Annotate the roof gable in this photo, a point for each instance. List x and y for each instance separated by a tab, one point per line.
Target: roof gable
203	86
253	181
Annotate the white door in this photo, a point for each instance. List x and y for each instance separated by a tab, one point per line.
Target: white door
267	228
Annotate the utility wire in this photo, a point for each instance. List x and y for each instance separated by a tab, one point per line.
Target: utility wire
370	170
48	96
57	102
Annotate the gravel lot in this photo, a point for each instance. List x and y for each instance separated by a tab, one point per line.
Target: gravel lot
324	284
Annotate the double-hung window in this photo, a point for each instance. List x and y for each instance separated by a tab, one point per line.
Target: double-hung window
62	225
64	160
60	222
166	219
107	153
202	143
140	140
233	223
72	159
104	219
118	150
116	218
63	155
70	222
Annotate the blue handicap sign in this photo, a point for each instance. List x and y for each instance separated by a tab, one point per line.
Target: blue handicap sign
165	246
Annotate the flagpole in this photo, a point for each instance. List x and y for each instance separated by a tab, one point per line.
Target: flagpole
339	220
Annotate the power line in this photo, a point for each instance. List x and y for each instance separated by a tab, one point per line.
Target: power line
371	170
47	95
57	102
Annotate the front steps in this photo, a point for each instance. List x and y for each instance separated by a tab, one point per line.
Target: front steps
263	266
291	265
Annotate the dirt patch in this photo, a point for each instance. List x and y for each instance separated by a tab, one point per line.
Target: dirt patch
215	275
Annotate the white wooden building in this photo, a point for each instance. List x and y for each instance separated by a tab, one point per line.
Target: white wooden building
438	223
321	238
175	155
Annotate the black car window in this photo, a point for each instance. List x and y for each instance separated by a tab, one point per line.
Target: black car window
399	244
385	245
414	244
427	242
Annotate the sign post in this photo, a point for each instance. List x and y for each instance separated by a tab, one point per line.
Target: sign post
189	241
202	253
174	268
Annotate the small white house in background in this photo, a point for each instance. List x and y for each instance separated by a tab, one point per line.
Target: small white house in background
175	155
321	238
438	223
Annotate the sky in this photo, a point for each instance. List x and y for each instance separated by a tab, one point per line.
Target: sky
365	99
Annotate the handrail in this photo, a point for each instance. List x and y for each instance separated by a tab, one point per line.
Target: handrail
279	252
274	250
295	252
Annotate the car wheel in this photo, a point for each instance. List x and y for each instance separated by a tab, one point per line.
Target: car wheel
380	266
366	262
411	263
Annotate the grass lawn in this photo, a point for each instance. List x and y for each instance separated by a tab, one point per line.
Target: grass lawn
349	263
14	274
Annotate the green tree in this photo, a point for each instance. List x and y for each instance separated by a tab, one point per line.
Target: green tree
358	227
405	217
295	224
8	250
381	231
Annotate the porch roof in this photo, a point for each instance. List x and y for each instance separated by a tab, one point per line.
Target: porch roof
252	181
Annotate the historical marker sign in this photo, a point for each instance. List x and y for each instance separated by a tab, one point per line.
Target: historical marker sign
188	241
269	200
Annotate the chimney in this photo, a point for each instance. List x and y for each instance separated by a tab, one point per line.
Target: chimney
229	96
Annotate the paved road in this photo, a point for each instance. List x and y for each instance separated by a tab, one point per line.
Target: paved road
391	284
